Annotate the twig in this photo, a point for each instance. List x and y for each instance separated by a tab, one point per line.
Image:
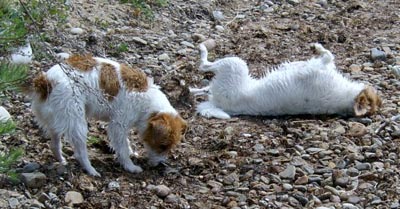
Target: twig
387	122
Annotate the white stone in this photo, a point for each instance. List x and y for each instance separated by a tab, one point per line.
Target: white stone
395	70
62	55
219	28
4	115
73	197
218	15
23	55
162	191
139	40
13	202
188	44
77	31
163	57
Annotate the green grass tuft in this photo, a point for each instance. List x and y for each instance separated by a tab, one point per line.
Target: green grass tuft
145	7
8	160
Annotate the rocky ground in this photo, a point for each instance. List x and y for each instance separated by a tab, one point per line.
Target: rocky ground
244	162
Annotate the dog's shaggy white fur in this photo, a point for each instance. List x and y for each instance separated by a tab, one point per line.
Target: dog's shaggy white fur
303	87
63	99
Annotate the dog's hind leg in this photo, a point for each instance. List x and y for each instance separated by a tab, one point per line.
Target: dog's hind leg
209	110
326	55
77	134
72	123
201	91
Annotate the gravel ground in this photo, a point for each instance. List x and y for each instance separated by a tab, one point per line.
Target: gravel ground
245	162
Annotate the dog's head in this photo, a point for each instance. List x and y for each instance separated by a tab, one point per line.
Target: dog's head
164	131
367	102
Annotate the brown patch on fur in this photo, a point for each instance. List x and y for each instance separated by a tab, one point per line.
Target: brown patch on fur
109	81
134	79
42	86
367	102
164	131
82	62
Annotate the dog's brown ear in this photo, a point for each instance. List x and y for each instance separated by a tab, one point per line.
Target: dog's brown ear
367	102
159	126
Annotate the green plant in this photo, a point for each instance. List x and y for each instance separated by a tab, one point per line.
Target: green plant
7	127
7	160
93	140
20	19
122	48
145	7
12	75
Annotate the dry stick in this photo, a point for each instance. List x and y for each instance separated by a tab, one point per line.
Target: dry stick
387	122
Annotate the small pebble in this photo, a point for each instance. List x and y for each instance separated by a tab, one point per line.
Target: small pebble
349	206
162	191
171	198
113	185
198	37
363	166
210	44
139	40
302	180
289	172
77	31
377	54
219	28
287	187
30	167
13	203
163	57
73	197
218	15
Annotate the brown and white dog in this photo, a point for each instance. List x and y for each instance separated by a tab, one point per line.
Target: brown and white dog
85	87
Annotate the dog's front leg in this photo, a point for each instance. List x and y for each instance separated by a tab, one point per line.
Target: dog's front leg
118	134
209	110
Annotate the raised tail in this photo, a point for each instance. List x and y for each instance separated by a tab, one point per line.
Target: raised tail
326	56
204	63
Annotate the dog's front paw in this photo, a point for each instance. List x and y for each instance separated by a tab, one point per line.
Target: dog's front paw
132	168
91	171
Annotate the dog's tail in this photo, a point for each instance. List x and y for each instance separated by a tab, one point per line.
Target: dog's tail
203	53
205	65
326	56
37	87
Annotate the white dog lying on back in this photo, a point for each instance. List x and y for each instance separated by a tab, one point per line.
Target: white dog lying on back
63	99
304	87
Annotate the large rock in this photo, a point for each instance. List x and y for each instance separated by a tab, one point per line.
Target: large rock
33	180
377	54
72	198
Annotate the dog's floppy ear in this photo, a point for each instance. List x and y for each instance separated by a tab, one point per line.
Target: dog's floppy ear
367	102
159	126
